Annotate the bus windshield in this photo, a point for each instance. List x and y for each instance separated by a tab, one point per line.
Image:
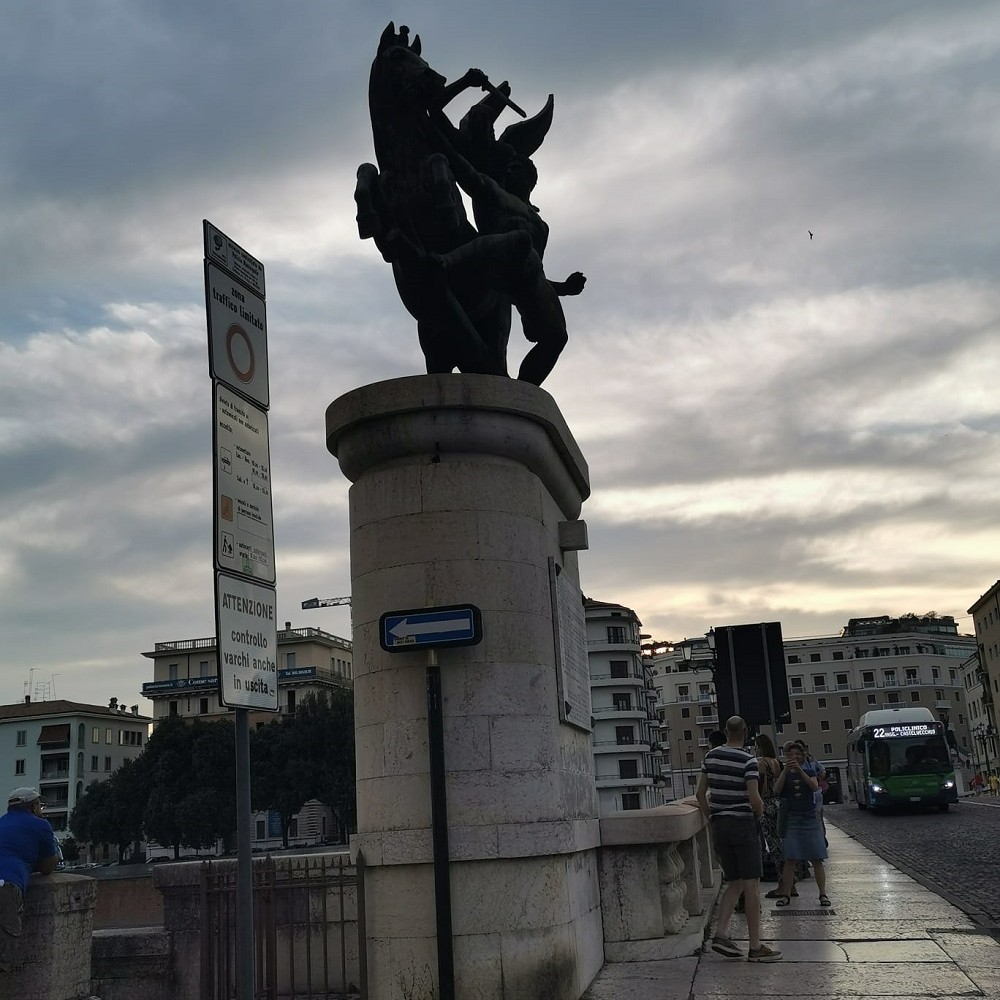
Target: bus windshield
909	755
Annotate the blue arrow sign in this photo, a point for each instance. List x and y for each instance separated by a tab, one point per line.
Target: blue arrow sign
430	628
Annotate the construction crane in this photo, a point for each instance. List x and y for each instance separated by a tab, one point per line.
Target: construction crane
324	602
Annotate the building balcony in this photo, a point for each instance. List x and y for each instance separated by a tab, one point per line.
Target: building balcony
55	774
708	720
944	703
843	687
609	680
684	698
619	713
615	781
703	742
613	746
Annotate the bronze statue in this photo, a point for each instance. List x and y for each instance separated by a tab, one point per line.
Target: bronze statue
459	282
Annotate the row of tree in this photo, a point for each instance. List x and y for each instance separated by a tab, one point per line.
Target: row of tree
181	790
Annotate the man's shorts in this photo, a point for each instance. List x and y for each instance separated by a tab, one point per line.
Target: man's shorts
737	844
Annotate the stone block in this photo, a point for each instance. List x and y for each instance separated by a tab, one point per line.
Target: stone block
478	967
394	802
524	742
406	747
630	893
498	687
384	494
541	963
130	963
510	489
467	743
400	901
492	585
369	752
381	590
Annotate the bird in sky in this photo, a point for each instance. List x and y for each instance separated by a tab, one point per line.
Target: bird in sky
809	231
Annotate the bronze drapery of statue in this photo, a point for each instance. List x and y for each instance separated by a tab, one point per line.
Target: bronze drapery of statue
459	281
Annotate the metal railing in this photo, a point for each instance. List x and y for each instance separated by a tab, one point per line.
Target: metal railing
303	933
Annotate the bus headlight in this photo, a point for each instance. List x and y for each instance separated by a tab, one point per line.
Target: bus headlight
877	789
949	784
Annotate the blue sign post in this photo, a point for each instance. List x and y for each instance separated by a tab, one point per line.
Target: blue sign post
430	628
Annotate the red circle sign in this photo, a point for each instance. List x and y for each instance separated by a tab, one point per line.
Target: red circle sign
231	334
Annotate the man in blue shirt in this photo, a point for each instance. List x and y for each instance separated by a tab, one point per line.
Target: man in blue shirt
27	844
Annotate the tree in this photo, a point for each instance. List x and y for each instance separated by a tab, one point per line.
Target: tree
308	757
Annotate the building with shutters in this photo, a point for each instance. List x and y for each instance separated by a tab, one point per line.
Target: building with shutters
60	747
626	744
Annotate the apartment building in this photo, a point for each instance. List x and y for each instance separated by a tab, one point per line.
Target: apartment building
185	673
627	753
60	747
875	662
983	680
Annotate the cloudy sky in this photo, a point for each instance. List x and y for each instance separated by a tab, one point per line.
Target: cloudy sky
777	427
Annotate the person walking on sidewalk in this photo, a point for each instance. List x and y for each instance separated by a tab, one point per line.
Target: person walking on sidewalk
994	783
804	840
729	797
769	768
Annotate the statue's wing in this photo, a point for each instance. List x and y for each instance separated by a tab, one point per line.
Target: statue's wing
527	136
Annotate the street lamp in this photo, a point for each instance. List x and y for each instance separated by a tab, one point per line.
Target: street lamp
984	732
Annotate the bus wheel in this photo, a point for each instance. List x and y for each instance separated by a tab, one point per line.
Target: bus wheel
943	806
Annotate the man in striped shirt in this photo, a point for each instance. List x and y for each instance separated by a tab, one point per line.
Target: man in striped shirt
729	798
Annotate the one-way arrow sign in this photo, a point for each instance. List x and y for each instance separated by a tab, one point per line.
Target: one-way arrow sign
426	628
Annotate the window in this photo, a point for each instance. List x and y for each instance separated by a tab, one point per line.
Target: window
690	756
796	683
821	702
902	651
261	829
685	713
819	682
622	702
935	674
814	657
794	659
683	692
616	633
939	695
838	654
842	683
799	704
19	767
911	675
848	725
802	727
172	672
291	702
95	735
824	726
893	697
630	800
889	677
203	669
914	696
868	679
203	706
828	748
952	675
173	711
619	668
624	735
872	699
687	734
628	769
107	737
22	737
93	763
81	736
844	700
107	763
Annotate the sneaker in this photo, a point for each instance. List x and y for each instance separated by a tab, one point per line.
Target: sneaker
764	954
726	947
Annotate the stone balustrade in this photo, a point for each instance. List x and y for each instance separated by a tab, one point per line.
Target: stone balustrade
657	882
51	959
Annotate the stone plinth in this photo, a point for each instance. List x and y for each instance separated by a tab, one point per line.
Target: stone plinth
464	487
51	959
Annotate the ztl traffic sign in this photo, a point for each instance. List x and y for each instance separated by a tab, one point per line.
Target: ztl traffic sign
431	628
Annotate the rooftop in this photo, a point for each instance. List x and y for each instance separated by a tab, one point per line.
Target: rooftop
41	709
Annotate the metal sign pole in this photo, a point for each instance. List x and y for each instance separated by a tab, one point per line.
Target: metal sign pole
732	672
439	830
245	986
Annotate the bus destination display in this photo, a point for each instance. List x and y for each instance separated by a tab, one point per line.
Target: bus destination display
902	729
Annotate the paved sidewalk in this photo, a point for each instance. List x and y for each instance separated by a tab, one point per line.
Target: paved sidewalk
885	936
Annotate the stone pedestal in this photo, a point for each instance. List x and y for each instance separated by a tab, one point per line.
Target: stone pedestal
464	487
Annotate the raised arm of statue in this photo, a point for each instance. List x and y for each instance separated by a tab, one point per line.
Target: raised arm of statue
471	78
573	285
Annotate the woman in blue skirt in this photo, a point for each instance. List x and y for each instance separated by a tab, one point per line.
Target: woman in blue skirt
803	837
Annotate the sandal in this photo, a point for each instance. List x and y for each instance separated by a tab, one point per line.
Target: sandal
782	901
824	901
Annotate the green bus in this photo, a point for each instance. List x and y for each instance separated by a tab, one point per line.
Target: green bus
900	757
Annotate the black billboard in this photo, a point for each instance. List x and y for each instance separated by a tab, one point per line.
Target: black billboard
756	652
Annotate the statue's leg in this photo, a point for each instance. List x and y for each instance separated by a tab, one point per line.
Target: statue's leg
543	322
